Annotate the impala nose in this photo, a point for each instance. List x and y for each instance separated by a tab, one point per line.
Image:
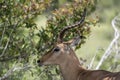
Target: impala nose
39	63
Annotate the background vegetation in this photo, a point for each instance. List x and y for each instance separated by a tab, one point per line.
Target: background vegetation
27	25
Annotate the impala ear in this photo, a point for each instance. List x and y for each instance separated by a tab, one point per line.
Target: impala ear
75	41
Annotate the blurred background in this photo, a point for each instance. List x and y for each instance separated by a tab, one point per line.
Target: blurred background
103	33
21	31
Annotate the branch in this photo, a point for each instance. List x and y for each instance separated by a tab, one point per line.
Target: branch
11	58
109	49
12	70
8	58
117	20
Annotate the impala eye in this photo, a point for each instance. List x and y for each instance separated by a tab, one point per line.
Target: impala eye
56	49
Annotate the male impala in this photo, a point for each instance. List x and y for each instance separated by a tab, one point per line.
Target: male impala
63	55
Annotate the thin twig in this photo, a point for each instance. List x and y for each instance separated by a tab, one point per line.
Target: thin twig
2	36
6	46
92	61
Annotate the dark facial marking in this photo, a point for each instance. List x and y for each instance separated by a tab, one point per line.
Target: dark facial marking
56	49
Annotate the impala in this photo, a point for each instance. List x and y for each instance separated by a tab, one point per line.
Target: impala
63	55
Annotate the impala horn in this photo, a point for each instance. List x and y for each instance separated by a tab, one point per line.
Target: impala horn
62	32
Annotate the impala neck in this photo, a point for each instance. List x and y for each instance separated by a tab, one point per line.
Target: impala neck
71	68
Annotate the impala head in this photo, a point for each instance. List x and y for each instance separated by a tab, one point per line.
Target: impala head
62	51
